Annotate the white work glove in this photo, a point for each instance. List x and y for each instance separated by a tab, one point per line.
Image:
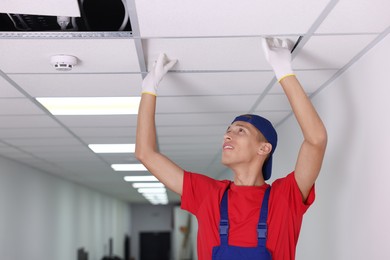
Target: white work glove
278	54
160	68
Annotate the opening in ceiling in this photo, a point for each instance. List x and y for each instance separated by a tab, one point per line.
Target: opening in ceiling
96	15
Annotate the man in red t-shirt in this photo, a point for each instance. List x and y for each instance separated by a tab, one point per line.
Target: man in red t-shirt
249	143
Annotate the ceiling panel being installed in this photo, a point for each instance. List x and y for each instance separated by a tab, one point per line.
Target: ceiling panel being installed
221	72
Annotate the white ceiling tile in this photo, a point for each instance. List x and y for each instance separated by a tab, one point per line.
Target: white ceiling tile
273	116
191	148
221	17
94	55
70	158
42	142
39	149
79	85
206	152
66	156
209	53
186	140
33	132
103	131
222	83
330	52
31	121
7	90
274	102
191	130
41	7
49	167
99	121
310	80
205	104
85	167
109	140
119	158
18	106
351	16
11	152
199	120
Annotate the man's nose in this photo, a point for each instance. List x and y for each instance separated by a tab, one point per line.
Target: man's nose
227	136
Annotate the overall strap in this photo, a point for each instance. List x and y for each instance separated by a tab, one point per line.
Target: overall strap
224	222
262	225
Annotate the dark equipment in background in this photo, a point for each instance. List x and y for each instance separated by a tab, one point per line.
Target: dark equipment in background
82	254
110	255
96	15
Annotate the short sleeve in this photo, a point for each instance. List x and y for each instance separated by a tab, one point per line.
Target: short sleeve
196	187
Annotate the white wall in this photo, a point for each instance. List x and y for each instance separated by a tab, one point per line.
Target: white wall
43	217
149	218
350	218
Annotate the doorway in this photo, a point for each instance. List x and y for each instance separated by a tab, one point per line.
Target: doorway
155	245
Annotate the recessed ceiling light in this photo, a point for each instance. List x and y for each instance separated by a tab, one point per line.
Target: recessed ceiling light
112	148
152	190
140	178
128	167
160	196
148	185
91	105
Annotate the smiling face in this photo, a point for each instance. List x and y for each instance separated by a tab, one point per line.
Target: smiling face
242	142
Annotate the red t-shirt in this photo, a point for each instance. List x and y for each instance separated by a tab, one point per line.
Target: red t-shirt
202	195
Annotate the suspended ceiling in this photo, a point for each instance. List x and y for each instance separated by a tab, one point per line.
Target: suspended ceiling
221	72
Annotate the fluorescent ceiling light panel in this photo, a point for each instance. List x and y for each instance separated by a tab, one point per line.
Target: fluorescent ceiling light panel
91	105
152	190
162	196
140	178
128	167
148	185
112	148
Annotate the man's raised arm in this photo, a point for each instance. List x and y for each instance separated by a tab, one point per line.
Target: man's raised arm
170	174
313	147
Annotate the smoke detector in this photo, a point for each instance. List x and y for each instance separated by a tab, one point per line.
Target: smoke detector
63	62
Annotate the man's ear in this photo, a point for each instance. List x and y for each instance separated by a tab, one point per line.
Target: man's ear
264	148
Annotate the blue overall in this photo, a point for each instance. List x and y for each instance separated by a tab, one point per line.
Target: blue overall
227	252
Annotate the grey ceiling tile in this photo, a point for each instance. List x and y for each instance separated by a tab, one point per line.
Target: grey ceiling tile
31	121
23	142
14	153
39	149
109	140
99	121
19	106
7	90
119	158
33	132
104	131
